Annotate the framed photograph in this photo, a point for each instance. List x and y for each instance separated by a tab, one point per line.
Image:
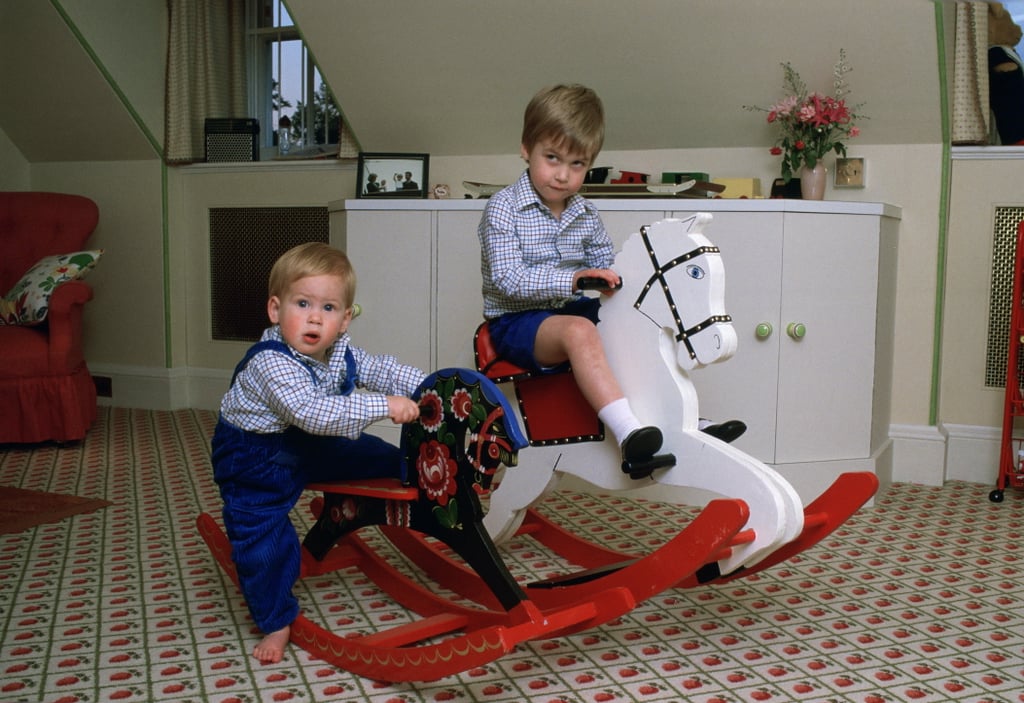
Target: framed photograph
382	175
850	173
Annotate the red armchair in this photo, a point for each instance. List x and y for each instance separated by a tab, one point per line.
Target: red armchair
46	390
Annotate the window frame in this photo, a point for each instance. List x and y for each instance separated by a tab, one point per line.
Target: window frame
262	42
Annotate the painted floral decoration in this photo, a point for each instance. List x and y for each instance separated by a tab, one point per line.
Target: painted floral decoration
431	410
436	469
447	413
811	124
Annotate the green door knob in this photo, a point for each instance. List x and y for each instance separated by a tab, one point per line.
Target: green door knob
796	330
763	330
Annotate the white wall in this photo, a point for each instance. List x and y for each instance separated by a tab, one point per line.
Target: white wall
14	169
124	323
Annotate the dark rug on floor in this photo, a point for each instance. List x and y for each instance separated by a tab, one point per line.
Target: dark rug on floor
21	509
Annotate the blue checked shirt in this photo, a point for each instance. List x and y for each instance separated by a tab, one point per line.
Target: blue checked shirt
528	258
275	391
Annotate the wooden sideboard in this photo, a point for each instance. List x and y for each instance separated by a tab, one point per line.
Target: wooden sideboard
816	404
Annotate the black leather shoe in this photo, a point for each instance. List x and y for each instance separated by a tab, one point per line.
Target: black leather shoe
727	431
641	444
639	453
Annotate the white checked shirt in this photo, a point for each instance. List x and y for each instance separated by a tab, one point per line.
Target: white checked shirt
528	257
275	391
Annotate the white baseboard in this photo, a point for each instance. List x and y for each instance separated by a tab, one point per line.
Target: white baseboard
972	453
919	454
163	389
932	455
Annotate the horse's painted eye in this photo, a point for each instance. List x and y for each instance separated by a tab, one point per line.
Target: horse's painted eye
695	271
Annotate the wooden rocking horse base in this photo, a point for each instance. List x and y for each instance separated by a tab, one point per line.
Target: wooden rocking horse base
447	639
450	638
822	516
716	527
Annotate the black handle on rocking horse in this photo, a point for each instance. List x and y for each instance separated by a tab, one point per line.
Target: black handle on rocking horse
595	283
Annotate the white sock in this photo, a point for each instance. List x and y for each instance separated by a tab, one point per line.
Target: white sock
618	417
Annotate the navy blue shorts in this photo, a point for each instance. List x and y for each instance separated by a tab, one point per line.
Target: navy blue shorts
514	334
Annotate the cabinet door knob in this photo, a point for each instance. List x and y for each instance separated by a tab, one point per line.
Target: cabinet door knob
796	330
763	330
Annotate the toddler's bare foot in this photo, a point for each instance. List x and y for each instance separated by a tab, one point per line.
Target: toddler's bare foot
270	650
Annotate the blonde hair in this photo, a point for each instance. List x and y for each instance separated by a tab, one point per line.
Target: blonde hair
570	115
312	259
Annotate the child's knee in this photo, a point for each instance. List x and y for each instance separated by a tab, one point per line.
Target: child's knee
580	330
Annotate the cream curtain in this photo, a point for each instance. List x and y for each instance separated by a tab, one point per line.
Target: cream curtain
970	75
348	146
205	72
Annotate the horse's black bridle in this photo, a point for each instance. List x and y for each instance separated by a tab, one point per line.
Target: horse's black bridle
684	333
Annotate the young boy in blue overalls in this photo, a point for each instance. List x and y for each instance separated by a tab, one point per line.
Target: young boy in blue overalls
290	418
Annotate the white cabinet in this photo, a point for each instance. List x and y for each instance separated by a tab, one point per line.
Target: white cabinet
812	301
393	256
815	406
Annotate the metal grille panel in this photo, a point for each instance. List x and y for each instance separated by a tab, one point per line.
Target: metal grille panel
244	244
1004	246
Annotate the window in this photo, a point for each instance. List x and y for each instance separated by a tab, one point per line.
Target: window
286	87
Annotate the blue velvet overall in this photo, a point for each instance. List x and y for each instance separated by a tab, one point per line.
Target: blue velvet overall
261	477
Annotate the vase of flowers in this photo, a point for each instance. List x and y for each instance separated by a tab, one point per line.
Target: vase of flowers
811	124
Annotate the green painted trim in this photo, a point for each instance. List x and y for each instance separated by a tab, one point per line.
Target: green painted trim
940	272
157	148
158	151
166	248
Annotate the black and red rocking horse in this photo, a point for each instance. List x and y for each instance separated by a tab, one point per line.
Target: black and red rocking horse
466	431
469	428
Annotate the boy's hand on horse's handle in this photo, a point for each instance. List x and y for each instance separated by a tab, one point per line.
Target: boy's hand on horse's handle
596	283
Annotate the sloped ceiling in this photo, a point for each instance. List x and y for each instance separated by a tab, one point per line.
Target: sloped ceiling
57	104
452	77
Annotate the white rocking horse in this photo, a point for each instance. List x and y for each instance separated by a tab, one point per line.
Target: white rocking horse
668	319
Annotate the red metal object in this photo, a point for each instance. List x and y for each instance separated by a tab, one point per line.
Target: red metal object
1011	456
469	636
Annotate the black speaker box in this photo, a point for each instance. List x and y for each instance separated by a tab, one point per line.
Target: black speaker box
232	139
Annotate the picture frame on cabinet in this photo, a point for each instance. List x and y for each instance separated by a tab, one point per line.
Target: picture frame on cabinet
850	173
392	175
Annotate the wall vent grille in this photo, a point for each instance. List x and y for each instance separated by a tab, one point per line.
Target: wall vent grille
244	244
1004	246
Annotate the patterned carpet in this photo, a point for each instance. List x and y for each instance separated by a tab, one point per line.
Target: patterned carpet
917	598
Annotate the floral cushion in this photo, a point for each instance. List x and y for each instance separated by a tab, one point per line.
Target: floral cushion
29	300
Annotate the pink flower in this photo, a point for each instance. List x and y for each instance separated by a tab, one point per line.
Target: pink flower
785	106
775	150
807	113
